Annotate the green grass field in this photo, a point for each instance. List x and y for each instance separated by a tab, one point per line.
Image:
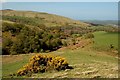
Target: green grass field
76	58
86	63
103	40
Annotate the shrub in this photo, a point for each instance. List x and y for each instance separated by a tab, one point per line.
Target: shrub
89	35
13	28
42	63
6	45
64	43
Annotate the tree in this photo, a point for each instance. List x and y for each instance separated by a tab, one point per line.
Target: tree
6	45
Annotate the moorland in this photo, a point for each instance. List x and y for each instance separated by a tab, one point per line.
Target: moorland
90	49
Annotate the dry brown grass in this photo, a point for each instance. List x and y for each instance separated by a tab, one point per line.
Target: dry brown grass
49	18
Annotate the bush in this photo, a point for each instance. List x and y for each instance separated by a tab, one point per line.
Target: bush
89	35
42	63
6	45
64	43
13	28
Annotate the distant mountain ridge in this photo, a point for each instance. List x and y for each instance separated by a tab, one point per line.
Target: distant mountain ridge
102	22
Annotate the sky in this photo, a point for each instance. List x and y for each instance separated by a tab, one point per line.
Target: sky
60	0
74	10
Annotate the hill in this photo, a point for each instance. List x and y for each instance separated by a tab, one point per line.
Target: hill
39	18
90	49
28	32
86	64
103	22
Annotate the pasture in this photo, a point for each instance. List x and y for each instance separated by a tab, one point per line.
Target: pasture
104	40
86	64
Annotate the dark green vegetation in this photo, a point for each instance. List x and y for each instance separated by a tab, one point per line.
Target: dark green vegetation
23	34
18	38
85	46
106	28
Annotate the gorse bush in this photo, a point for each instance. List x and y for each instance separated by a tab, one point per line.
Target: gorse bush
43	63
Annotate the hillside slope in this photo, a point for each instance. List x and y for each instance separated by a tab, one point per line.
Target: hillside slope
45	18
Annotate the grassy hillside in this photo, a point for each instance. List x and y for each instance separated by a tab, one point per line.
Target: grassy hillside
40	17
85	47
28	32
104	40
87	63
82	61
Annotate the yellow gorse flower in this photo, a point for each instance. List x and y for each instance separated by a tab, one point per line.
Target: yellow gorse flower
43	62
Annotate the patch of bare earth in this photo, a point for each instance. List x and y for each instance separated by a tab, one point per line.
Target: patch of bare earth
80	43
